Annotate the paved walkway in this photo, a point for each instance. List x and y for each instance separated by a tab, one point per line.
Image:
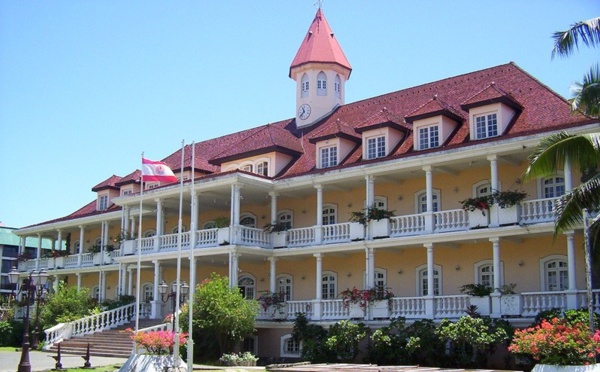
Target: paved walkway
9	361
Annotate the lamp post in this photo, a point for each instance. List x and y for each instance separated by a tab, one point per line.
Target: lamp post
36	283
162	289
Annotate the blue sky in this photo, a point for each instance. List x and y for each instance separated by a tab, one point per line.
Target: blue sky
86	86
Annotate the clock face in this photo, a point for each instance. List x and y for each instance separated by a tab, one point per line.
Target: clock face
304	111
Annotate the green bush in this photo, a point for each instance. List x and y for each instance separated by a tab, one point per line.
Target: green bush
66	305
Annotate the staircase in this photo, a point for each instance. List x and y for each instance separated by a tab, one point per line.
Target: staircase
110	343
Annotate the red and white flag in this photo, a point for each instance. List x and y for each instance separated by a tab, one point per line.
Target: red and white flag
157	171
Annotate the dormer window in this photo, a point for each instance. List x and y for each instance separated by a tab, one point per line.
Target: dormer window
247	168
304	85
429	137
321	84
102	202
337	86
486	125
328	157
376	147
262	168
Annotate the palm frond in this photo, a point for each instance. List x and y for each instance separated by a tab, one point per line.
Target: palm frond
587	93
569	208
581	150
565	42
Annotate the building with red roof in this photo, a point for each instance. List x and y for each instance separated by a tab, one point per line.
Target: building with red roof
296	206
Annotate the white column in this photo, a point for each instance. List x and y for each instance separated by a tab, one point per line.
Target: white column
155	303
233	264
194	214
159	224
81	243
496	262
21	245
571	261
319	229
371	270
367	267
39	251
568	173
370	191
273	272
273	207
132	227
130	280
59	240
429	299
319	288
78	280
103	285
493	159
429	193
100	294
126	217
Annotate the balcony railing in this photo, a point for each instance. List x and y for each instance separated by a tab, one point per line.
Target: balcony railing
530	212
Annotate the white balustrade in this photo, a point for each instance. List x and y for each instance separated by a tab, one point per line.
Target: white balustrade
336	233
451	306
301	237
538	210
451	220
334	309
147	245
206	238
170	242
534	302
305	307
412	224
408	307
254	236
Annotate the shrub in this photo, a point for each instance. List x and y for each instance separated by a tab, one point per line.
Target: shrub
157	342
557	341
241	359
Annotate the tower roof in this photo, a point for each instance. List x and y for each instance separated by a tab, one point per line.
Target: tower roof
320	45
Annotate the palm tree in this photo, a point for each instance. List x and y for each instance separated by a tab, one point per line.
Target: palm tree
581	150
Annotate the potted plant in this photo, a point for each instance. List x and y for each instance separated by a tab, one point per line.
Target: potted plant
357	301
510	301
273	303
100	259
506	207
377	219
126	241
278	233
558	345
159	351
480	297
478	210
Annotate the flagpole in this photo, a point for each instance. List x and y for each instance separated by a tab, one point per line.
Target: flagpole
194	225
139	252
177	292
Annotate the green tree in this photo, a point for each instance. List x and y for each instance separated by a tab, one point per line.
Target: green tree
222	312
67	304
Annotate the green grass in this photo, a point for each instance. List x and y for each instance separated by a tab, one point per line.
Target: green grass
8	348
96	369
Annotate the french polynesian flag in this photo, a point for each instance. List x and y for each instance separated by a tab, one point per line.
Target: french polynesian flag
157	171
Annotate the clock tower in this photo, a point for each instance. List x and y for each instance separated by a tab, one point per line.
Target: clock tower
320	70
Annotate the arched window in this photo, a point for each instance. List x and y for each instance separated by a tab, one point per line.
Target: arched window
289	347
95	292
380	202
483	188
149	233
247	168
553	187
175	229
246	286
304	86
484	273
76	247
209	225
147	292
329	214
422	280
248	220
284	285
263	168
421	201
98	241
286	219
338	86
329	285
321	84
555	273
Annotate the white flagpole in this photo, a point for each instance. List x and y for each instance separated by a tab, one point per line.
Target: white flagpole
194	224
139	252
177	292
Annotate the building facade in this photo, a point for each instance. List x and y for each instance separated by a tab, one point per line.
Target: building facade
271	207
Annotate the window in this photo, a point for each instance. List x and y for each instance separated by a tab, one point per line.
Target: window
246	286
127	192
337	86
486	126
376	147
262	169
95	292
329	285
329	215
555	273
210	225
483	188
422	201
484	273
289	347
175	229
321	84
152	185
76	247
553	187
284	285
380	279
285	218
247	168
304	86
149	233
249	344
422	280
429	137
248	220
380	202
148	292
328	157
102	202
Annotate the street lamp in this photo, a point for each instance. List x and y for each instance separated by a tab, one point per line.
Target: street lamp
162	289
36	283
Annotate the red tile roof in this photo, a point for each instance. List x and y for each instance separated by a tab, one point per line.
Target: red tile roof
320	45
133	177
434	107
490	94
109	183
337	129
